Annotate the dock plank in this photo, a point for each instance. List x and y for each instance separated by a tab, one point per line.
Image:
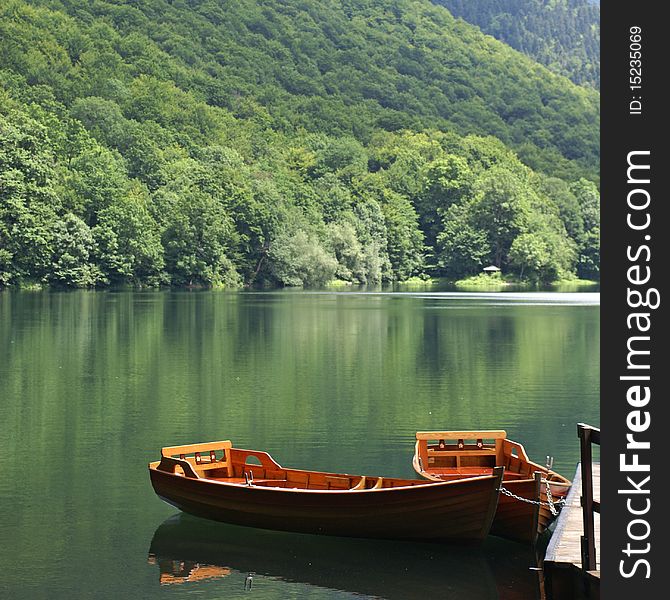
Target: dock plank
564	550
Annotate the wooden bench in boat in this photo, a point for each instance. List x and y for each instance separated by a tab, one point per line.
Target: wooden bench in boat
459	451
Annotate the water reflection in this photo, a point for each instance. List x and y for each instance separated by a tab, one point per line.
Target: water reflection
330	382
182	571
192	550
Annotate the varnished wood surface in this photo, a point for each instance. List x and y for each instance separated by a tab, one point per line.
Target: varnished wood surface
327	503
565	545
514	519
463	435
192	448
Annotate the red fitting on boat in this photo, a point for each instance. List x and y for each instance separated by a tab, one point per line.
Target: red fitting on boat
212	455
198	458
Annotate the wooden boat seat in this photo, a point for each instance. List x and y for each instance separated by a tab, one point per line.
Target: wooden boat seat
271	482
460	472
360	485
333	482
262	482
509	476
297	479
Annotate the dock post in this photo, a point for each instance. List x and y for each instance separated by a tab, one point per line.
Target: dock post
536	512
587	436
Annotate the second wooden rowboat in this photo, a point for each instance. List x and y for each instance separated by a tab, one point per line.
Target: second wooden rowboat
525	505
248	487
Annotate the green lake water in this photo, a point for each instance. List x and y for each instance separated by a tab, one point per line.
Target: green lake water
92	384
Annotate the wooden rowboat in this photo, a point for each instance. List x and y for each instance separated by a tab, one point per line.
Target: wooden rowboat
524	508
247	487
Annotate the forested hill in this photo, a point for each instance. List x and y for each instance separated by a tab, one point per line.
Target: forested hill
333	66
283	142
564	35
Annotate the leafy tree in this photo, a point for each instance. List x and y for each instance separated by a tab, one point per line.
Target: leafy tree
351	260
93	181
530	253
405	240
298	259
72	247
334	197
196	235
28	204
502	209
448	180
462	248
589	255
560	194
373	234
128	244
344	157
588	199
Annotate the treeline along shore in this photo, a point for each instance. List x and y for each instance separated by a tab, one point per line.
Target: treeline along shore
284	143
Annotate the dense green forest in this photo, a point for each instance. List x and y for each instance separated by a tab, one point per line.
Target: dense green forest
564	35
289	142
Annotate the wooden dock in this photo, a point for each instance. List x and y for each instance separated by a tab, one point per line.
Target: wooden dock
564	577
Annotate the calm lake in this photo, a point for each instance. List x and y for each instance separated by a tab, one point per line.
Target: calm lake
92	384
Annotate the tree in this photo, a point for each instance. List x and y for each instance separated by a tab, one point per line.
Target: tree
28	204
373	235
197	235
462	248
351	260
530	253
93	181
404	238
447	180
560	194
502	210
127	242
72	247
298	259
344	157
588	265
588	199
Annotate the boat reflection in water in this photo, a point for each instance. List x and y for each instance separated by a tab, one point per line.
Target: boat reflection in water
188	549
181	571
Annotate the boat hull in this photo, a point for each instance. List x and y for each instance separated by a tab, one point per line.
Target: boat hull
515	519
434	512
522	521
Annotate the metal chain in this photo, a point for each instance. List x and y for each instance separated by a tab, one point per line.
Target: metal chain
550	500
